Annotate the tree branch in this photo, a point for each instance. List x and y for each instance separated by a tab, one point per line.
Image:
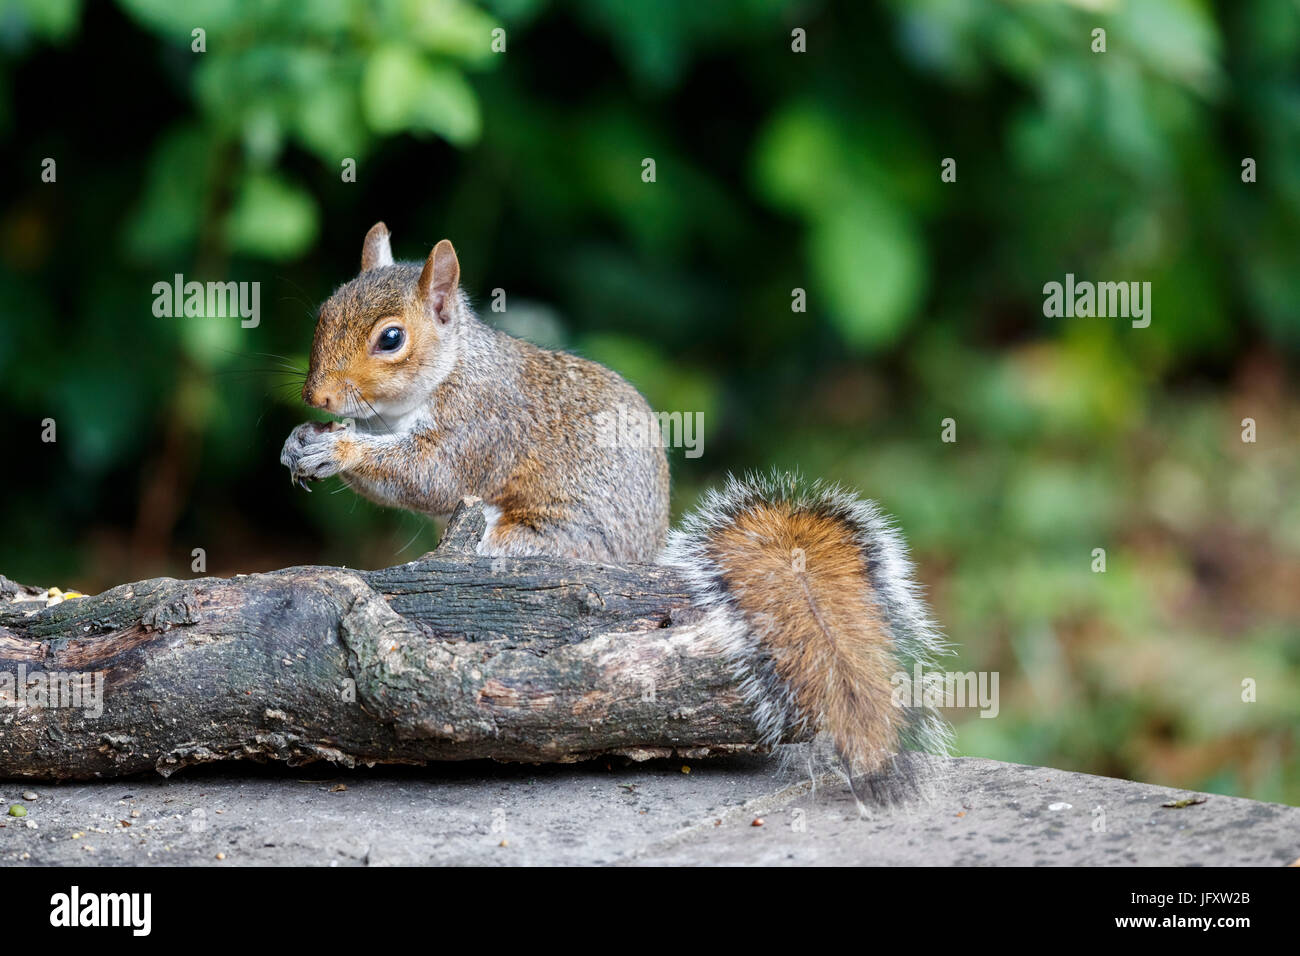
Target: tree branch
451	657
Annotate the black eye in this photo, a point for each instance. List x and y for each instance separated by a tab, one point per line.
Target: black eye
391	339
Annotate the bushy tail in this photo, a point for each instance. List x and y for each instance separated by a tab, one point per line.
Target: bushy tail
812	595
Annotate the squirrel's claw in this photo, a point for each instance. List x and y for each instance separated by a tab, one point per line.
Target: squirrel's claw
309	454
296	478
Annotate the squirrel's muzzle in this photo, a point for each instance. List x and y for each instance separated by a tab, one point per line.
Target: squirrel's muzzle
318	396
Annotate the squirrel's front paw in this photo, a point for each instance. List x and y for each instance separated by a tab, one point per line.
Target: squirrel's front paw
313	451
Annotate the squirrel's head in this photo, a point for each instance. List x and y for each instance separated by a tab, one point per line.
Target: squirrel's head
387	338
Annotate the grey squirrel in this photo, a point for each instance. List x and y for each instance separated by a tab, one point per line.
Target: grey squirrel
809	588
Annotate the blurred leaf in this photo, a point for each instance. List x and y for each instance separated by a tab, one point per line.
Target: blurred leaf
48	19
402	91
178	19
211	341
166	218
863	247
451	27
799	161
272	218
868	261
328	121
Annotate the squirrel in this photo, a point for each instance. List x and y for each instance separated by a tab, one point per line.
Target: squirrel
808	588
446	406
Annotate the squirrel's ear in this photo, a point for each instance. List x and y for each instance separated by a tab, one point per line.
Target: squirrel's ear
439	279
375	251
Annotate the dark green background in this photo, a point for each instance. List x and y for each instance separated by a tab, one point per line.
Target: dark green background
775	171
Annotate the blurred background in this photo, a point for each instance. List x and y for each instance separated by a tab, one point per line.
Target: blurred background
775	170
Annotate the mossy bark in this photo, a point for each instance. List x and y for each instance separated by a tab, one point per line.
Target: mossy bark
451	657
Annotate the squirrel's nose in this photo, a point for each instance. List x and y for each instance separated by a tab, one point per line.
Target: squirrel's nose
320	398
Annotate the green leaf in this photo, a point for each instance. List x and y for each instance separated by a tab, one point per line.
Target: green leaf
272	218
869	264
210	341
328	121
51	19
452	28
797	162
401	91
166	219
177	19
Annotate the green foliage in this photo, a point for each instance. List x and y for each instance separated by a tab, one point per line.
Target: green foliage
863	244
776	171
330	76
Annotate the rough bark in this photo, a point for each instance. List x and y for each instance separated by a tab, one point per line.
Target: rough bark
450	657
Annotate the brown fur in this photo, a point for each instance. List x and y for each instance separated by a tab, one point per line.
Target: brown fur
463	409
825	633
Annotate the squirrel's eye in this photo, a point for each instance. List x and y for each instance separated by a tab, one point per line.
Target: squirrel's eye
391	339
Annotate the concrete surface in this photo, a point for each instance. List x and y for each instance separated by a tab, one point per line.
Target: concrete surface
980	812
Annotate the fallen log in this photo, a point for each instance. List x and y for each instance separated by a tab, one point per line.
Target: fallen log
453	656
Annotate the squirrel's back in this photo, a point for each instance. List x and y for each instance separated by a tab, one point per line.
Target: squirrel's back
571	482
